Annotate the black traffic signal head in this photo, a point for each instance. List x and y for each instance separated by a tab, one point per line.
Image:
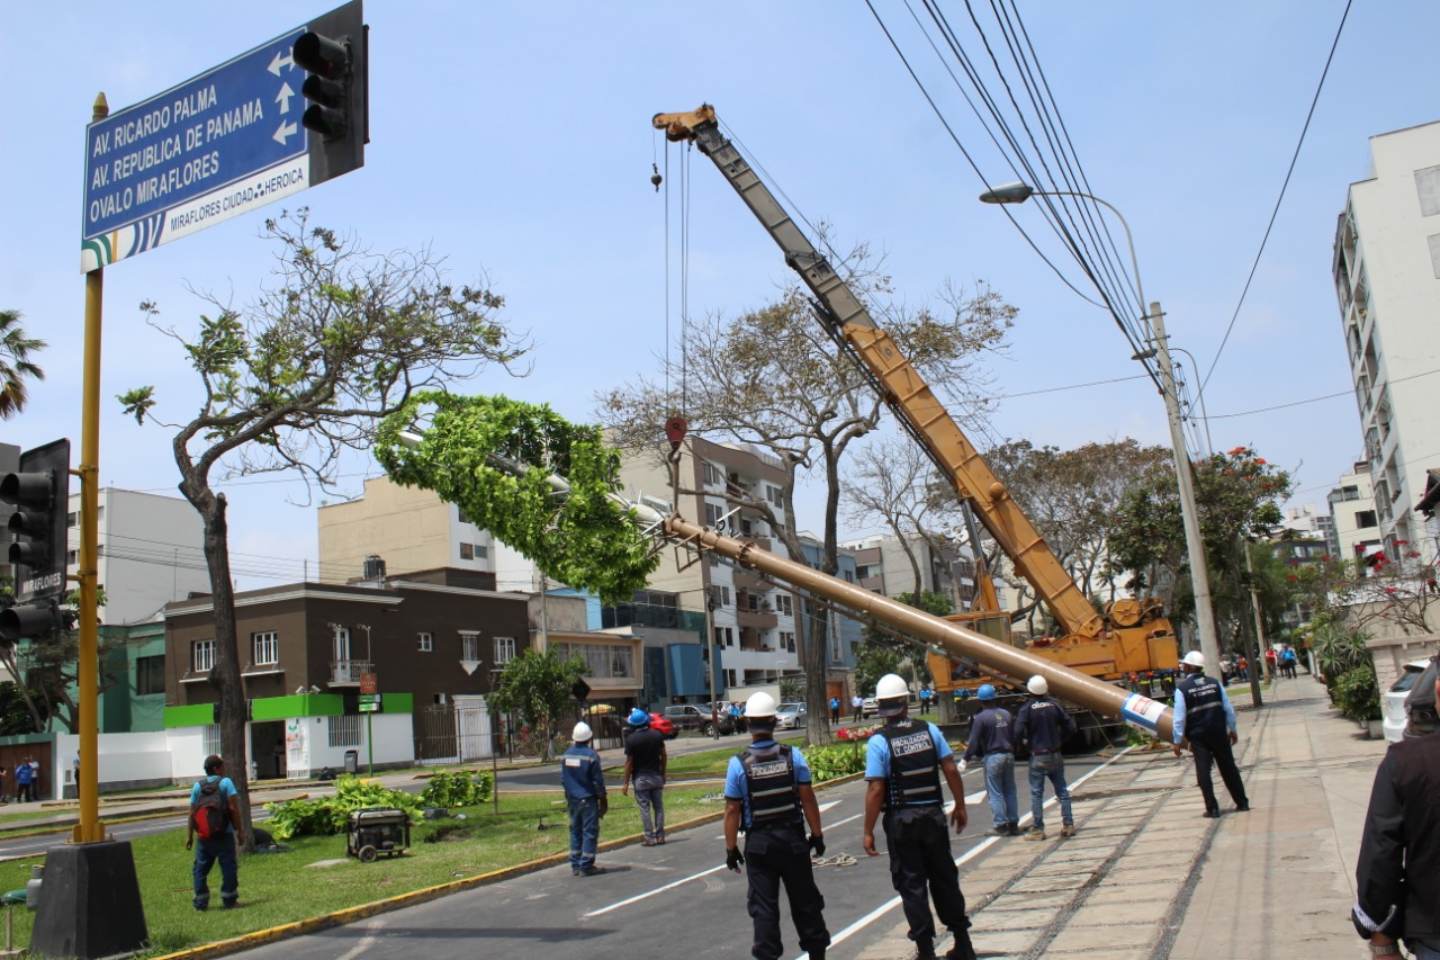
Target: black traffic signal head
33	620
333	54
40	490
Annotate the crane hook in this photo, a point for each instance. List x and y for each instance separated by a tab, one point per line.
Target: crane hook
655	177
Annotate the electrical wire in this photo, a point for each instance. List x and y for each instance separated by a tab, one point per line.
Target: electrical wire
1275	211
1071	386
1298	403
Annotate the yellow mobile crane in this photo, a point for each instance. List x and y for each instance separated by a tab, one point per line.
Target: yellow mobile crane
1131	637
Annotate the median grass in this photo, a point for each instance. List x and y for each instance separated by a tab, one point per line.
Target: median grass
284	887
705	763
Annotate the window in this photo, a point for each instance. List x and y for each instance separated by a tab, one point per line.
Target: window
265	648
210	742
725	635
470	646
1427	185
71	519
467	551
787	604
719	597
427	642
713	476
1364	518
149	675
72	557
621	662
464	518
1434	240
481	551
440	699
345	731
729	678
202	656
713	512
787	640
504	650
775	495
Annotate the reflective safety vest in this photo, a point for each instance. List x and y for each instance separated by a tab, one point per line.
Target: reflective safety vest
770	782
914	779
1204	710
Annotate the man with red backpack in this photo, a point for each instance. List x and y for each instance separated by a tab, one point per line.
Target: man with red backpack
215	819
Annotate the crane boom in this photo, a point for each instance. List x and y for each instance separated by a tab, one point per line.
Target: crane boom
901	386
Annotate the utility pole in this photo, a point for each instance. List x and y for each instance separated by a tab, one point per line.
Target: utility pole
1259	658
1194	544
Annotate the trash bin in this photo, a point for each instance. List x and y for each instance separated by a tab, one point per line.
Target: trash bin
352	761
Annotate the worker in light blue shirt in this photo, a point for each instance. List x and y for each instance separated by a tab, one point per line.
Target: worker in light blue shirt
1205	722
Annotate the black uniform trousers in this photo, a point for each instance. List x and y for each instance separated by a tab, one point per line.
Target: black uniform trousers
776	855
1214	748
919	846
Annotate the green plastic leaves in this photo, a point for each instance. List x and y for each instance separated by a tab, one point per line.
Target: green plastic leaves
583	539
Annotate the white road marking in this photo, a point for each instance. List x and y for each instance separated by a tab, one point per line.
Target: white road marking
371	929
970	854
650	893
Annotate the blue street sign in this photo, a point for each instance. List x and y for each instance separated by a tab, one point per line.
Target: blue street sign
216	146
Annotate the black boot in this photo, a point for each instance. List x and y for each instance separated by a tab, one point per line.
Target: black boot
963	949
925	950
817	954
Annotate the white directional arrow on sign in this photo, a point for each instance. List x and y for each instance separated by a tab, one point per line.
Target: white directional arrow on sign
283	97
283	134
279	61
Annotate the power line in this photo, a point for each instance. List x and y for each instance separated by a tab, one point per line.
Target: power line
1275	212
1071	386
1298	403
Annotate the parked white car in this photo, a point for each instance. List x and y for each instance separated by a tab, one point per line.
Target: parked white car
789	715
1392	704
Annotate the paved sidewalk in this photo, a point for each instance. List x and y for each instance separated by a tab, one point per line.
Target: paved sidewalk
1148	878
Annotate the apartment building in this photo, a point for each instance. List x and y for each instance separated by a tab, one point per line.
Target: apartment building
1386	267
752	619
842	633
882	564
1354	526
152	551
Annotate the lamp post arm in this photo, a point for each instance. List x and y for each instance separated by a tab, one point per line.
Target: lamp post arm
1129	238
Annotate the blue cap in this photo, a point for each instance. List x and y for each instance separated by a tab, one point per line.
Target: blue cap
986	692
639	718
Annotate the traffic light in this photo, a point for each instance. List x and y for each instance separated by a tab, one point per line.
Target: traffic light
40	493
333	54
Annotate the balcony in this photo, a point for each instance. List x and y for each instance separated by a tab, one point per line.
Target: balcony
751	581
757	619
347	673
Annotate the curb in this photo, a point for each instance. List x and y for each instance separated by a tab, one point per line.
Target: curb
363	911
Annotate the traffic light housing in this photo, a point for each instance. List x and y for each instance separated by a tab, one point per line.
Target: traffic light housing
40	493
333	55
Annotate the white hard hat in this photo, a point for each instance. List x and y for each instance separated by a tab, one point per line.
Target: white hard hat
582	732
891	686
760	705
1194	659
1037	685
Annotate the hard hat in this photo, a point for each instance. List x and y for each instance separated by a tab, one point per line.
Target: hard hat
582	732
986	692
1037	685
1194	659
639	718
891	686
760	706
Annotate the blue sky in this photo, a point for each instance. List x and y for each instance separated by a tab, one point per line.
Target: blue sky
514	138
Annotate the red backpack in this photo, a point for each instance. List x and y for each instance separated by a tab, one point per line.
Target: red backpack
210	813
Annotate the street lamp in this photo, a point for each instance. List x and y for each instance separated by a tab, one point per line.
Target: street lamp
1018	192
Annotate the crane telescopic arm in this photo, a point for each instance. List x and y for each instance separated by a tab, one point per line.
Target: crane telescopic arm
901	386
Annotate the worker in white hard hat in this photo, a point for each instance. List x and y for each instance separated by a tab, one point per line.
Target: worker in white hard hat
903	764
769	796
584	783
1044	725
1205	722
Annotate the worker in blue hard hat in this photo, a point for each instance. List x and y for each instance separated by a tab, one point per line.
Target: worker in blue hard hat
991	743
645	766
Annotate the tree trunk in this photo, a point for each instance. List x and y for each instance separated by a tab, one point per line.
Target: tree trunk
225	675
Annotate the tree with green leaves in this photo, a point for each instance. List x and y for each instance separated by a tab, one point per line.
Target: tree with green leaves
536	687
16	365
339	338
909	652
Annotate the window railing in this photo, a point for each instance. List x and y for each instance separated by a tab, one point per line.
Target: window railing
347	672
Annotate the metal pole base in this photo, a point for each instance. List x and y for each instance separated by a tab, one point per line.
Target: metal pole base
89	903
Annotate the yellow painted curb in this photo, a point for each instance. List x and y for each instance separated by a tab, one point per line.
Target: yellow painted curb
363	911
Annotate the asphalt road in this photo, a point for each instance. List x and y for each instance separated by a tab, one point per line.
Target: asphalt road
645	905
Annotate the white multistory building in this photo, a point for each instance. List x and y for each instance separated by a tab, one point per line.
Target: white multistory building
1386	267
151	552
1354	526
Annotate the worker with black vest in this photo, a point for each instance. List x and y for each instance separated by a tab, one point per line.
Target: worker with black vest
1043	723
584	783
1205	722
768	795
903	763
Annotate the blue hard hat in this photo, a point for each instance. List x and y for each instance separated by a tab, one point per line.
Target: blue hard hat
986	691
639	718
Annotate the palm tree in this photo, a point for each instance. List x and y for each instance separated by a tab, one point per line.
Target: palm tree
15	365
